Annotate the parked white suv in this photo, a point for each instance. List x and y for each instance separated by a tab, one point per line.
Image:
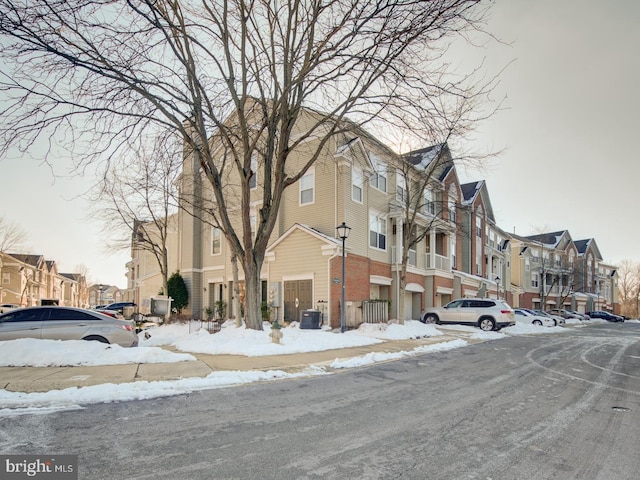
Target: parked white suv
485	313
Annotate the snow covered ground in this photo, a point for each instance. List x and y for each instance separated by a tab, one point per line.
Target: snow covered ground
230	340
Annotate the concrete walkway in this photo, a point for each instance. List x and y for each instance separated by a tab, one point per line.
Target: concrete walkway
42	379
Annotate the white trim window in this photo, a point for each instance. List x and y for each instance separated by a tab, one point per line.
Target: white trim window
253	181
378	179
454	246
535	280
307	184
377	231
216	241
429	207
357	181
401	187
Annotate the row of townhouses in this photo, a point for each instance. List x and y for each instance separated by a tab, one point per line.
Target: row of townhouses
359	181
28	280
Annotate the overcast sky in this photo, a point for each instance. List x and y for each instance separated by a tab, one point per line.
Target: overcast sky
568	135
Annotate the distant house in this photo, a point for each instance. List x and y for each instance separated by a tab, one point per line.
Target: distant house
29	280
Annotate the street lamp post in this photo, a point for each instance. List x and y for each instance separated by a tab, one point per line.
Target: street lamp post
343	233
498	287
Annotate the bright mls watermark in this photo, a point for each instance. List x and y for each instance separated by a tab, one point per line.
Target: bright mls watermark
43	467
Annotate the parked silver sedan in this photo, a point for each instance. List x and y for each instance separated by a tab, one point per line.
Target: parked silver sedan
66	323
527	316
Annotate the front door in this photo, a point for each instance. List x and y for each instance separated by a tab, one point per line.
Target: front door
298	296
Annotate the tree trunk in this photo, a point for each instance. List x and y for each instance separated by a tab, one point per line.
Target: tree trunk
236	291
403	286
253	293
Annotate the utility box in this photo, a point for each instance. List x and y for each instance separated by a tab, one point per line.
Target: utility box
161	306
310	319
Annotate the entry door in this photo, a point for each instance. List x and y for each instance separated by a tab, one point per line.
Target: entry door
298	296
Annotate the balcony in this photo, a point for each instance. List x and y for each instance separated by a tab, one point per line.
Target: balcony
439	262
396	256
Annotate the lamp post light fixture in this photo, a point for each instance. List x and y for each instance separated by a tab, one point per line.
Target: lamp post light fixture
343	233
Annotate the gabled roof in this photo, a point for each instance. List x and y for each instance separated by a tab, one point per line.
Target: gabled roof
587	244
581	245
33	260
471	192
305	228
422	158
552	239
72	276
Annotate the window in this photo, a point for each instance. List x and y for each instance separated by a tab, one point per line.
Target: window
70	315
306	187
454	260
356	184
6	277
216	241
429	207
379	178
401	187
377	231
478	226
253	181
534	280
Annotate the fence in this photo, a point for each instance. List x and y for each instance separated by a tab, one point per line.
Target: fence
366	311
212	326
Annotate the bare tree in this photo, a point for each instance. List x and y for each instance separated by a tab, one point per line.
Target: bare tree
11	236
241	72
629	287
138	198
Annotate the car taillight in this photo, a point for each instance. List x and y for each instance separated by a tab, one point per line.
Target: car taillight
128	328
506	312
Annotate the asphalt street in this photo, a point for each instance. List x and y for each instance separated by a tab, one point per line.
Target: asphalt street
529	407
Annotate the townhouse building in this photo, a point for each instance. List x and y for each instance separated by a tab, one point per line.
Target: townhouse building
359	181
460	251
29	280
551	270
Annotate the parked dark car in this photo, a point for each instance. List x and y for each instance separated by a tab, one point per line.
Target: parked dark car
609	317
66	323
119	306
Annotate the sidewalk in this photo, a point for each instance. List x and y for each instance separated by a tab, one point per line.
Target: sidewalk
43	379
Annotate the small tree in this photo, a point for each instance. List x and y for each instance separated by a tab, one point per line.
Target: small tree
178	291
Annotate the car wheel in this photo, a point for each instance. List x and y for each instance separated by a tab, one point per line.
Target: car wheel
431	318
537	322
96	338
487	324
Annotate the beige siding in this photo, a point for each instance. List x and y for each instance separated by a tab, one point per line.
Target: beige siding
300	256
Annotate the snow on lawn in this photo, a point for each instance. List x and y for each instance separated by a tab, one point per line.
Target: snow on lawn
234	340
230	340
32	352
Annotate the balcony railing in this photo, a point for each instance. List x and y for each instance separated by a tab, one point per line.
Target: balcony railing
440	262
412	260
